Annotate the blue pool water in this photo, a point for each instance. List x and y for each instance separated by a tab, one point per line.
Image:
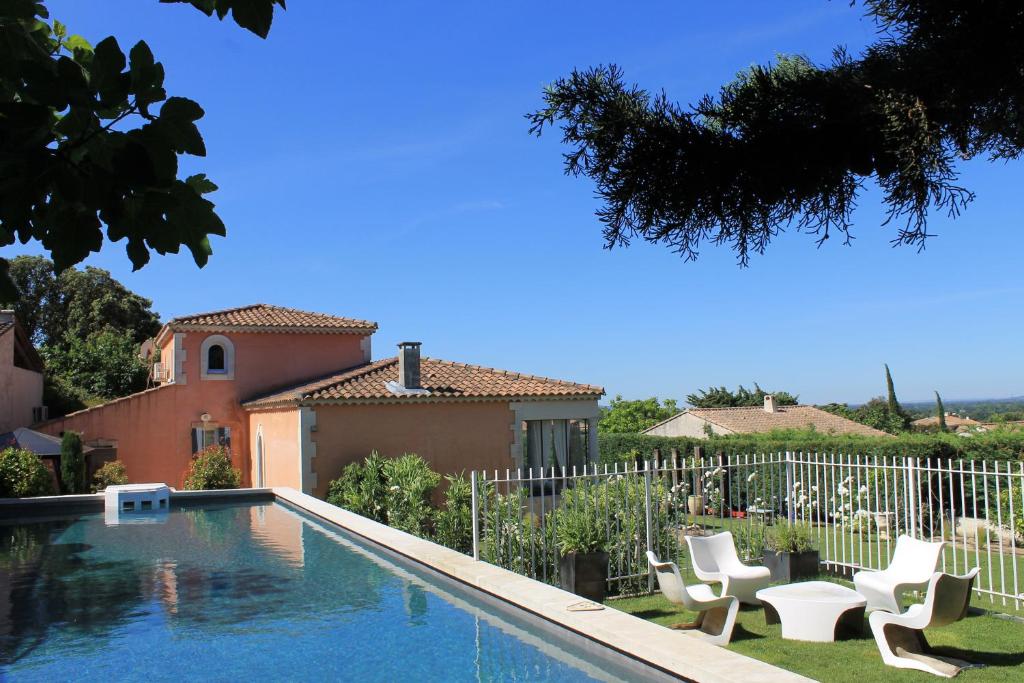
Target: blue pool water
240	592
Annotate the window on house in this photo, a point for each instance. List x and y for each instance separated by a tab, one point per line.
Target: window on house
215	359
555	444
204	437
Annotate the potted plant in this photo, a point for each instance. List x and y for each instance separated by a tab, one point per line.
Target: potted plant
790	553
583	560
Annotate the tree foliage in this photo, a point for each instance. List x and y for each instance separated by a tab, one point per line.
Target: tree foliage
890	392
875	413
72	463
622	416
720	397
23	474
90	139
104	365
793	143
211	469
940	413
76	303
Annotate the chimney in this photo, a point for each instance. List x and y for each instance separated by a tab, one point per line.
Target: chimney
409	365
769	403
7	316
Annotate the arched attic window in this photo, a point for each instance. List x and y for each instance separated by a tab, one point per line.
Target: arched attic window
217	357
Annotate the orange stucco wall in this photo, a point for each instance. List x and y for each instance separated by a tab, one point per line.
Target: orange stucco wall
20	389
280	430
452	437
153	429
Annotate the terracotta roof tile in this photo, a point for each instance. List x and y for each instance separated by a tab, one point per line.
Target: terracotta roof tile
443	379
951	421
266	316
751	419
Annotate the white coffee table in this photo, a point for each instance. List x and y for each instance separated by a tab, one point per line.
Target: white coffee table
813	610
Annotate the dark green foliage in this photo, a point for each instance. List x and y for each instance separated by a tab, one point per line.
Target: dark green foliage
940	412
23	474
72	463
89	138
720	397
993	445
104	365
579	524
211	469
453	525
792	144
622	416
395	492
890	393
112	473
875	413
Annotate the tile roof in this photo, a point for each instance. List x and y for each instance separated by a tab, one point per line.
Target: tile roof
265	316
751	419
443	379
951	421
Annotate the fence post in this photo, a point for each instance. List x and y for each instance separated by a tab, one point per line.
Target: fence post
790	494
474	502
912	492
649	523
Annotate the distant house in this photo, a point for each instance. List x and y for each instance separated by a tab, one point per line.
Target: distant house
296	397
21	377
954	423
697	422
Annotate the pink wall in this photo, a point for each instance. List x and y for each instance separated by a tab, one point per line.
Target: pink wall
280	429
153	429
20	389
452	437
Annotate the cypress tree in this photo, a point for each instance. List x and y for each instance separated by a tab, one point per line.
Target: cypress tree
72	463
894	405
941	412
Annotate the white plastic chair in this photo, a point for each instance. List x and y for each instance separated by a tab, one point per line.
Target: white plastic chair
716	615
911	568
714	559
899	636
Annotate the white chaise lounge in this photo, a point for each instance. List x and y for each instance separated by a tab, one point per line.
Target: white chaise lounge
899	636
716	615
911	568
714	559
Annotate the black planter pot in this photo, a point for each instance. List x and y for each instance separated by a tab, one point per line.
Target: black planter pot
585	574
788	567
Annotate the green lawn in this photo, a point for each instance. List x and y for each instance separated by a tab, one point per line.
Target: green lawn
997	643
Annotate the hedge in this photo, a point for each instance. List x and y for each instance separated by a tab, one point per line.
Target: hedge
993	445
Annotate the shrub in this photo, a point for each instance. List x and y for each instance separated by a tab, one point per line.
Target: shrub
72	463
410	484
578	521
112	473
360	488
23	474
395	492
453	526
791	538
211	469
751	540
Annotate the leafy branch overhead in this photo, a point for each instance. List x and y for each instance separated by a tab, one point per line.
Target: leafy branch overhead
90	139
793	143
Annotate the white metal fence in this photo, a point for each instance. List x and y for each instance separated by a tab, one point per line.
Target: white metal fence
856	506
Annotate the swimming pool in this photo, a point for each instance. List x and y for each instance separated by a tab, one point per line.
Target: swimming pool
235	591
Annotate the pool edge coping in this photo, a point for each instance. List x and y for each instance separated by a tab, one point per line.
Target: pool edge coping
674	652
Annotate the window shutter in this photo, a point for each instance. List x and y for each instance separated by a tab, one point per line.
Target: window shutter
195	440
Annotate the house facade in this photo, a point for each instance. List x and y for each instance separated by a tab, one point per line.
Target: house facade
702	422
295	396
21	377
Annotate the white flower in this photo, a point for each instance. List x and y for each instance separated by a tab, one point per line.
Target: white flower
842	490
814	488
395	487
796	486
752	477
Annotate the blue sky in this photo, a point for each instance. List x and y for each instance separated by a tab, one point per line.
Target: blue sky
374	161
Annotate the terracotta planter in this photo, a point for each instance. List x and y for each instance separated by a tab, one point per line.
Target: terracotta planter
585	574
695	504
788	567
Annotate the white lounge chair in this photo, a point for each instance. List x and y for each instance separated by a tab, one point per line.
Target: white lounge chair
714	559
716	615
911	568
899	636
